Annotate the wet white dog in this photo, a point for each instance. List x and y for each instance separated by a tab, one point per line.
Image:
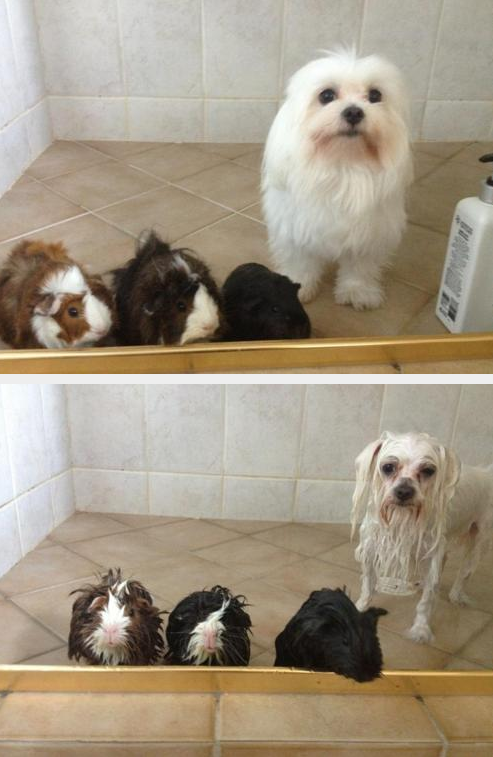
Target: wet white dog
416	502
336	166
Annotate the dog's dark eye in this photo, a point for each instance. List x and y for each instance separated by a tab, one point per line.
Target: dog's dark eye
326	96
182	306
73	312
374	95
427	472
388	468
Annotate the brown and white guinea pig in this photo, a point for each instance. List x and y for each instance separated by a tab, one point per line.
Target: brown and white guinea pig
209	628
329	633
115	623
165	296
47	300
261	304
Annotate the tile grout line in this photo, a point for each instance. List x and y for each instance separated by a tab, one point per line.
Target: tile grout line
456	417
225	442
422	703
302	430
216	735
35	619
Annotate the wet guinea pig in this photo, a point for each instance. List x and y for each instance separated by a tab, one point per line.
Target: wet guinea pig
261	304
328	633
115	623
165	296
209	628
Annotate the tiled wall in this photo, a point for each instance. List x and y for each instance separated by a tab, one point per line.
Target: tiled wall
273	452
36	491
25	128
214	70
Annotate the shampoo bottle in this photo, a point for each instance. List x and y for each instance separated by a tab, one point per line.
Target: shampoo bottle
465	298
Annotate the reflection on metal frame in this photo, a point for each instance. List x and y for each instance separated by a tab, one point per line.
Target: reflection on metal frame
58	678
243	356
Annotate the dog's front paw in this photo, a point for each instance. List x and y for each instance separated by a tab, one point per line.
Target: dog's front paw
308	291
362	603
360	296
459	598
420	633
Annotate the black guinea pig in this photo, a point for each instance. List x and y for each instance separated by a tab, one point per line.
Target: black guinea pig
328	633
261	304
165	296
209	628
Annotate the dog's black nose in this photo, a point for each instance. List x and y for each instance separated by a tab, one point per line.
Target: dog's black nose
403	492
353	115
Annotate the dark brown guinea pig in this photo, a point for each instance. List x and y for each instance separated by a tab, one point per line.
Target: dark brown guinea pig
165	296
261	304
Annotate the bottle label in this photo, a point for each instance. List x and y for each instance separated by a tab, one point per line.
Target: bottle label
454	276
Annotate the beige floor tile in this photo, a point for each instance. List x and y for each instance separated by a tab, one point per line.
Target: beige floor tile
55	657
270	609
337	529
440	149
24	179
107	717
232	185
425	321
81	526
143	521
189	535
128	550
91	242
310	575
227	150
251	160
468	750
300	538
299	717
463	718
342	555
63	157
21	635
480	649
424	163
246	526
330	369
104	184
264	659
254	211
73	749
478	589
229	243
45	567
420	258
170	211
120	150
250	556
329	749
45	543
470	155
173	162
458	663
459	366
31	206
403	654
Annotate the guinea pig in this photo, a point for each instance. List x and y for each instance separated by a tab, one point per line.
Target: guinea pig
261	304
115	623
209	628
47	300
328	633
165	296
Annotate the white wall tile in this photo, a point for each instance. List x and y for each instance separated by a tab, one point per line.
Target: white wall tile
464	55
185	495
242	47
88	118
340	421
263	429
6	486
10	543
56	428
35	516
420	407
11	93
324	501
23	414
27	51
474	432
79	42
239	120
155	120
185	428
39	131
258	498
107	425
458	120
110	491
162	42
62	495
15	153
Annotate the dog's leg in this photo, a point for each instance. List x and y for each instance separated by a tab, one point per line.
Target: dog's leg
358	282
469	562
302	267
421	630
368	582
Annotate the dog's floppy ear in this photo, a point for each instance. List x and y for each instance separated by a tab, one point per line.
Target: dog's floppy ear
447	476
365	465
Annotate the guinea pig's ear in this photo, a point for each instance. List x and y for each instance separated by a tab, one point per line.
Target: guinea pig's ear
97	604
152	306
48	304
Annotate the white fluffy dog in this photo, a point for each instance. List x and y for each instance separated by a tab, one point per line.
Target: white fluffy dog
416	503
336	166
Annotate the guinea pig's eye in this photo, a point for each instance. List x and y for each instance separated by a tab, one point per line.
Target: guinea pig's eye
374	95
181	305
388	468
73	312
275	309
427	472
326	96
131	613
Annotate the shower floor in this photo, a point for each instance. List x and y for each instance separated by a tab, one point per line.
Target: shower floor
98	196
276	565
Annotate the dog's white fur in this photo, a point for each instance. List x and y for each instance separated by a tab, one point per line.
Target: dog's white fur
332	193
451	508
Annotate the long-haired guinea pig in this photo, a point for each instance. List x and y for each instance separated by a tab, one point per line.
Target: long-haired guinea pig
209	628
115	623
261	304
165	296
47	300
328	633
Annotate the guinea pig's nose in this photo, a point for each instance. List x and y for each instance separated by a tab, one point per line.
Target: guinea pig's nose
353	115
404	491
